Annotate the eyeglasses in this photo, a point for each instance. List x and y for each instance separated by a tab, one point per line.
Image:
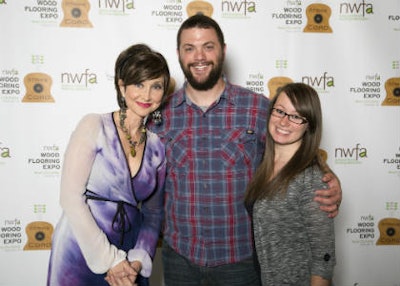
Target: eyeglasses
292	117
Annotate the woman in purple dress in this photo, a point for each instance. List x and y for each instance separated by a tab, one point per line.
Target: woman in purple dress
112	183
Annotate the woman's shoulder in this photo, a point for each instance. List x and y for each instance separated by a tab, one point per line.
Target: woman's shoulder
313	171
311	178
93	122
91	118
155	149
154	139
96	118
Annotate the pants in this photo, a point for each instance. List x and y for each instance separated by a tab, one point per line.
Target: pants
179	271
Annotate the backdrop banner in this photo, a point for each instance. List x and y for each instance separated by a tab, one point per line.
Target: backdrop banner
57	61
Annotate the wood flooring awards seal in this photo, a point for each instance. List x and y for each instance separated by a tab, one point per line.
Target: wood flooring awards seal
39	235
38	87
318	18
276	82
392	87
76	14
323	154
389	229
199	7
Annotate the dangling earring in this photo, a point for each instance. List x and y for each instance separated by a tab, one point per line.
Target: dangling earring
156	117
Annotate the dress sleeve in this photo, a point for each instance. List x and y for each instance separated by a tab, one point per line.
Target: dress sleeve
320	228
79	156
152	210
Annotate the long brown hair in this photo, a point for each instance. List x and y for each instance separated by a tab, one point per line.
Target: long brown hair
264	185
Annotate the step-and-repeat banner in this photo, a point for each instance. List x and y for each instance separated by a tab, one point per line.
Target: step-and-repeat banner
57	60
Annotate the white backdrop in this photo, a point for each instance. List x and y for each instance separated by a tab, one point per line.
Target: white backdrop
56	65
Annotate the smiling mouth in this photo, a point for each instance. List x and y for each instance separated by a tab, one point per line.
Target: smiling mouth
282	131
200	66
144	105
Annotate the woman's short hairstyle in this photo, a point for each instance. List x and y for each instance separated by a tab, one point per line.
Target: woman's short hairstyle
137	64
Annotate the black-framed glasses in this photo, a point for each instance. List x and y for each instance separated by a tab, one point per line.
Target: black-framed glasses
292	117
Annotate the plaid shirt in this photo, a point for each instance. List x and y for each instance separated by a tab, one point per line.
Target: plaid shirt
211	156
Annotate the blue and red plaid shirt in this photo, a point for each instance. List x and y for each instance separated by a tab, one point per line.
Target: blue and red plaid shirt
211	156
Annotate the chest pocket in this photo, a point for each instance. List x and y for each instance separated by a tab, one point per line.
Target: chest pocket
239	147
228	148
178	147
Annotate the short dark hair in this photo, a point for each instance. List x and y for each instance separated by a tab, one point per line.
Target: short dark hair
200	21
137	64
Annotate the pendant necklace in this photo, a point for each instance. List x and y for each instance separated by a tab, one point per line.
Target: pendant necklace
132	144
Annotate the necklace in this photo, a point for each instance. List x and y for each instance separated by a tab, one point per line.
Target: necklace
132	144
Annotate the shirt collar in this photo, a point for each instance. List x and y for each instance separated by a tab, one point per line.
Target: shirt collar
180	95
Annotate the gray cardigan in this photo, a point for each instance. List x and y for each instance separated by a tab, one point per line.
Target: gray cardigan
294	239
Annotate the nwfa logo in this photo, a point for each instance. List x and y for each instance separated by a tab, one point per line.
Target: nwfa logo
241	7
83	79
323	81
4	151
356	8
120	5
350	155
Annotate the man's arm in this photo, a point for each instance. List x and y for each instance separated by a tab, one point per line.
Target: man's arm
330	199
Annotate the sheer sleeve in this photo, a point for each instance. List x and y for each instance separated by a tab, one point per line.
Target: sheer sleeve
79	156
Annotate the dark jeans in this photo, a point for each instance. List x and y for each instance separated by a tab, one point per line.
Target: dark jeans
179	271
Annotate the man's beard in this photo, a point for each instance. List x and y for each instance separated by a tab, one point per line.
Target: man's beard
210	81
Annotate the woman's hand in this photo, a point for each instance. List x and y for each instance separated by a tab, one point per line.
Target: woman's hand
136	266
123	274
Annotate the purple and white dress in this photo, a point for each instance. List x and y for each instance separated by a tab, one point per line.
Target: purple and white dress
108	216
